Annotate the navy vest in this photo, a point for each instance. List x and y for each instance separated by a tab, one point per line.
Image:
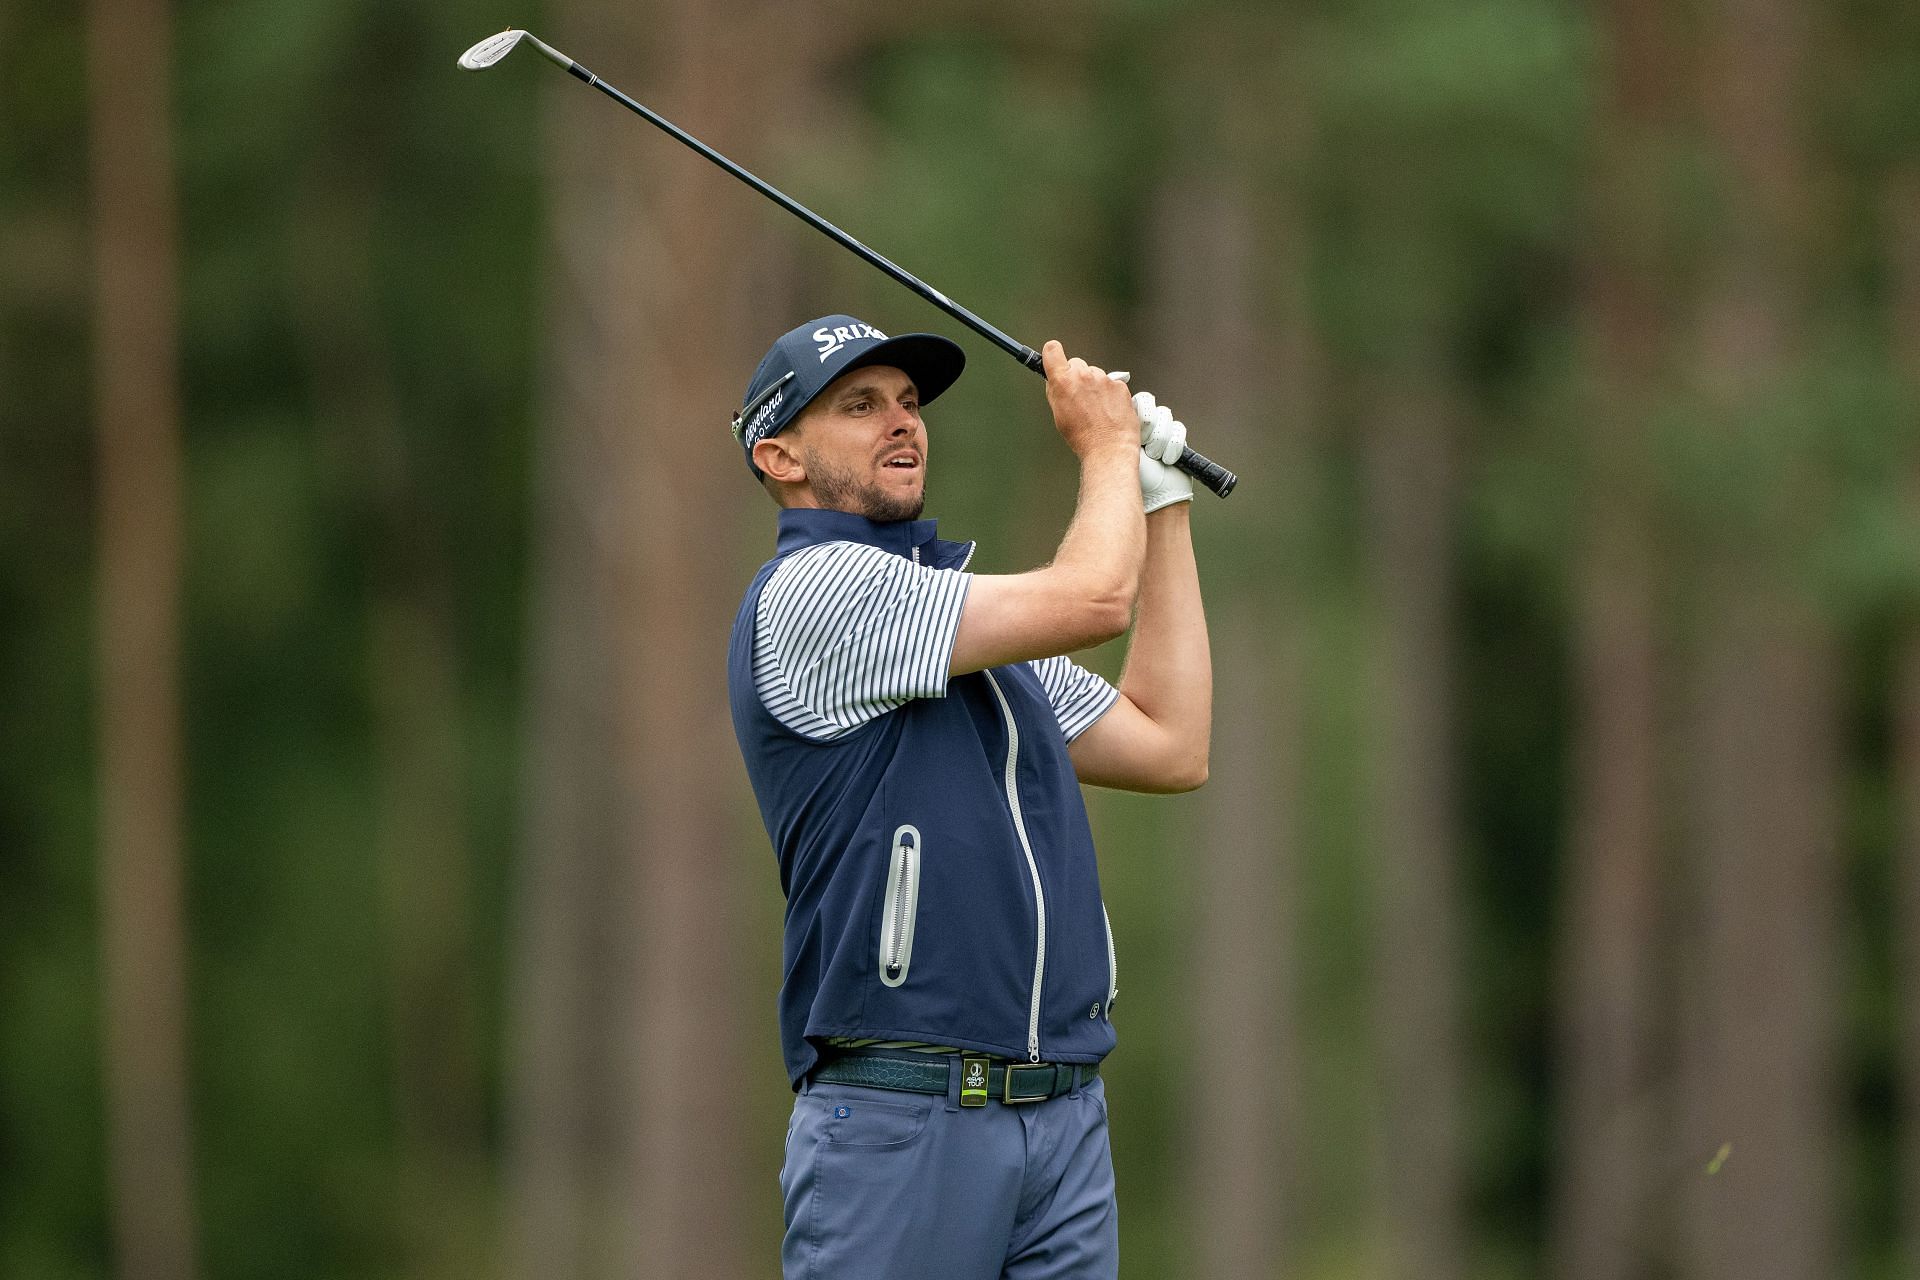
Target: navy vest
914	909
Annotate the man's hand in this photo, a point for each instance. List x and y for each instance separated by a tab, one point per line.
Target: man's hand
1090	409
1084	595
1162	439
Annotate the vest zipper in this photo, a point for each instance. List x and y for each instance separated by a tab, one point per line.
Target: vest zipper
903	896
965	559
1113	964
1033	869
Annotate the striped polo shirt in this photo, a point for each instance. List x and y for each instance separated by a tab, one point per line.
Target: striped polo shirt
846	632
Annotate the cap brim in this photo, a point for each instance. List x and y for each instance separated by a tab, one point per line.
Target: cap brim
933	362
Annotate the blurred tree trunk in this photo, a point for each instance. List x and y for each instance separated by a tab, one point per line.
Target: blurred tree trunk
136	373
1604	1217
1906	932
1412	478
1760	1038
1761	1044
629	1010
1903	210
421	828
1226	321
565	964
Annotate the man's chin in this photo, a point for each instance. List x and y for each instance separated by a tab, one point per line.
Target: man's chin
888	508
884	504
878	504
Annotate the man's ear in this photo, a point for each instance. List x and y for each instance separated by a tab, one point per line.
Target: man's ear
780	460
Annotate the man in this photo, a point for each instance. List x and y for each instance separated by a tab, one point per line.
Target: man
916	738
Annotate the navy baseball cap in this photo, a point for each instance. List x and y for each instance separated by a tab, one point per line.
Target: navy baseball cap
805	359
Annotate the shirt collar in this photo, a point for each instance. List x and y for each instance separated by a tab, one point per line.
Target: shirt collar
805	526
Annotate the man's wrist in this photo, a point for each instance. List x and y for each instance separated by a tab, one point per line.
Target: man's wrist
1116	456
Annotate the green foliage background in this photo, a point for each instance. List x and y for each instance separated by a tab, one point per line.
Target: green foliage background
348	198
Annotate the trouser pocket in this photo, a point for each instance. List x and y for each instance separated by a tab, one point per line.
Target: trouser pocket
902	905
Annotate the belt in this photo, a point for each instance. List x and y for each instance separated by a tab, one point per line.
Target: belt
980	1077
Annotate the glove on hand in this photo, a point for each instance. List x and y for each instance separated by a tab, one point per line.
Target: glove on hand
1162	440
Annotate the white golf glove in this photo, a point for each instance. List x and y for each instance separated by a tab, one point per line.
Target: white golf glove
1162	439
1161	442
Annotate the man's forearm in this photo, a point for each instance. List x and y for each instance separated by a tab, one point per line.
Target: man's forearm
1104	547
1169	670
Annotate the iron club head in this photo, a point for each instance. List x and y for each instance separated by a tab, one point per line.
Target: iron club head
490	50
494	48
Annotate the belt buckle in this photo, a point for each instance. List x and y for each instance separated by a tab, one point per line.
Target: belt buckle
1008	1096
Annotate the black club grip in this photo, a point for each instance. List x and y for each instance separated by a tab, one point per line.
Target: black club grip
1207	471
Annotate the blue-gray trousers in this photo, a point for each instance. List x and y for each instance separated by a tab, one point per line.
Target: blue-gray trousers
906	1186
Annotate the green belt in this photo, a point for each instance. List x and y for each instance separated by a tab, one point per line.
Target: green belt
980	1077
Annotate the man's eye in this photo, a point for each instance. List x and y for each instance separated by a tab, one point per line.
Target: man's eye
911	406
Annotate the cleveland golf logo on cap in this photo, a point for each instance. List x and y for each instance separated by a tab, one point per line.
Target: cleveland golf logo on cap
758	426
831	340
761	409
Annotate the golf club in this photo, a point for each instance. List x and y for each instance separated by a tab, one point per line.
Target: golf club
494	48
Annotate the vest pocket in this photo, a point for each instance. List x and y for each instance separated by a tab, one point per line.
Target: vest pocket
902	904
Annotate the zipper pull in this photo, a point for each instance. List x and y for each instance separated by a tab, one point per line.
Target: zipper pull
896	933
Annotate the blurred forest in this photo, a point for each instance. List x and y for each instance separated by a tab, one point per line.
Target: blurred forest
380	891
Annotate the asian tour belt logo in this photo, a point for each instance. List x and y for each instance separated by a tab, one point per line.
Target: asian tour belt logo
976	1075
831	340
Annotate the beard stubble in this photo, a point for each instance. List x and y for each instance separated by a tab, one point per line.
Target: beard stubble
842	490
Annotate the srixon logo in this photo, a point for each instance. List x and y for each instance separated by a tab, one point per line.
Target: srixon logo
831	340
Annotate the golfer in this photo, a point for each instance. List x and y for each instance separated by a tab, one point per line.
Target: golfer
917	737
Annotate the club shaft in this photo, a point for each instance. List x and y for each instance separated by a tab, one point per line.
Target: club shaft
1205	470
1018	350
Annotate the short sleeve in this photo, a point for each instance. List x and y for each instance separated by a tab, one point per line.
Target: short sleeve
845	632
1079	697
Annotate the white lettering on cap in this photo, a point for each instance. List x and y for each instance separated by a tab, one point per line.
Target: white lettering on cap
758	426
831	340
